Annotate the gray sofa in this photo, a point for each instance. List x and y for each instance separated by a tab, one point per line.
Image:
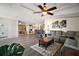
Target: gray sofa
56	35
70	40
71	44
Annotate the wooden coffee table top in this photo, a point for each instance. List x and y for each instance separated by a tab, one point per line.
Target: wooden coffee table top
46	39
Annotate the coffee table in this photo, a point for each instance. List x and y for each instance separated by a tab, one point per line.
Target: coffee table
46	42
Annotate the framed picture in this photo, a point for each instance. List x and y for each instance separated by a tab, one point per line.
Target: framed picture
58	24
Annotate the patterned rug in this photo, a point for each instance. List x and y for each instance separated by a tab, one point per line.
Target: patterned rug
51	50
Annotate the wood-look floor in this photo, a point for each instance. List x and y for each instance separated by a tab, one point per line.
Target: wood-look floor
29	40
26	41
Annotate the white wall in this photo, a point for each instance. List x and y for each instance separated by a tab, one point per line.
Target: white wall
12	27
27	29
72	24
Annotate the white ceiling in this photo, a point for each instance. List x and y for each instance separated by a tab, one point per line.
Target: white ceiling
16	11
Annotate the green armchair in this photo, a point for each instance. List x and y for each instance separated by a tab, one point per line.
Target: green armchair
14	49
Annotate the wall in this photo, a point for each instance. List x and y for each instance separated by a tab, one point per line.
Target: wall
12	27
72	24
27	29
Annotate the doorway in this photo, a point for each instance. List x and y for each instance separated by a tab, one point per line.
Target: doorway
21	28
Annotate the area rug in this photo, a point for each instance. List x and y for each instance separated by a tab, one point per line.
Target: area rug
51	50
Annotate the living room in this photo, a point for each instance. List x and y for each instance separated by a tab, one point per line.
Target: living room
38	31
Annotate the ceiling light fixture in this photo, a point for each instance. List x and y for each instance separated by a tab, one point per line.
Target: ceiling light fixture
45	8
44	13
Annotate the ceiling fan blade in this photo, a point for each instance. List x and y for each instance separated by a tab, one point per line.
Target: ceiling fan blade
37	12
40	7
49	13
53	8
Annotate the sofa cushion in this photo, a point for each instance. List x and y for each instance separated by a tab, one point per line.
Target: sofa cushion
53	33
77	34
71	33
71	42
57	35
77	40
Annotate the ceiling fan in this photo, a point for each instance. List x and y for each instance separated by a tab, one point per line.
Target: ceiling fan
45	9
